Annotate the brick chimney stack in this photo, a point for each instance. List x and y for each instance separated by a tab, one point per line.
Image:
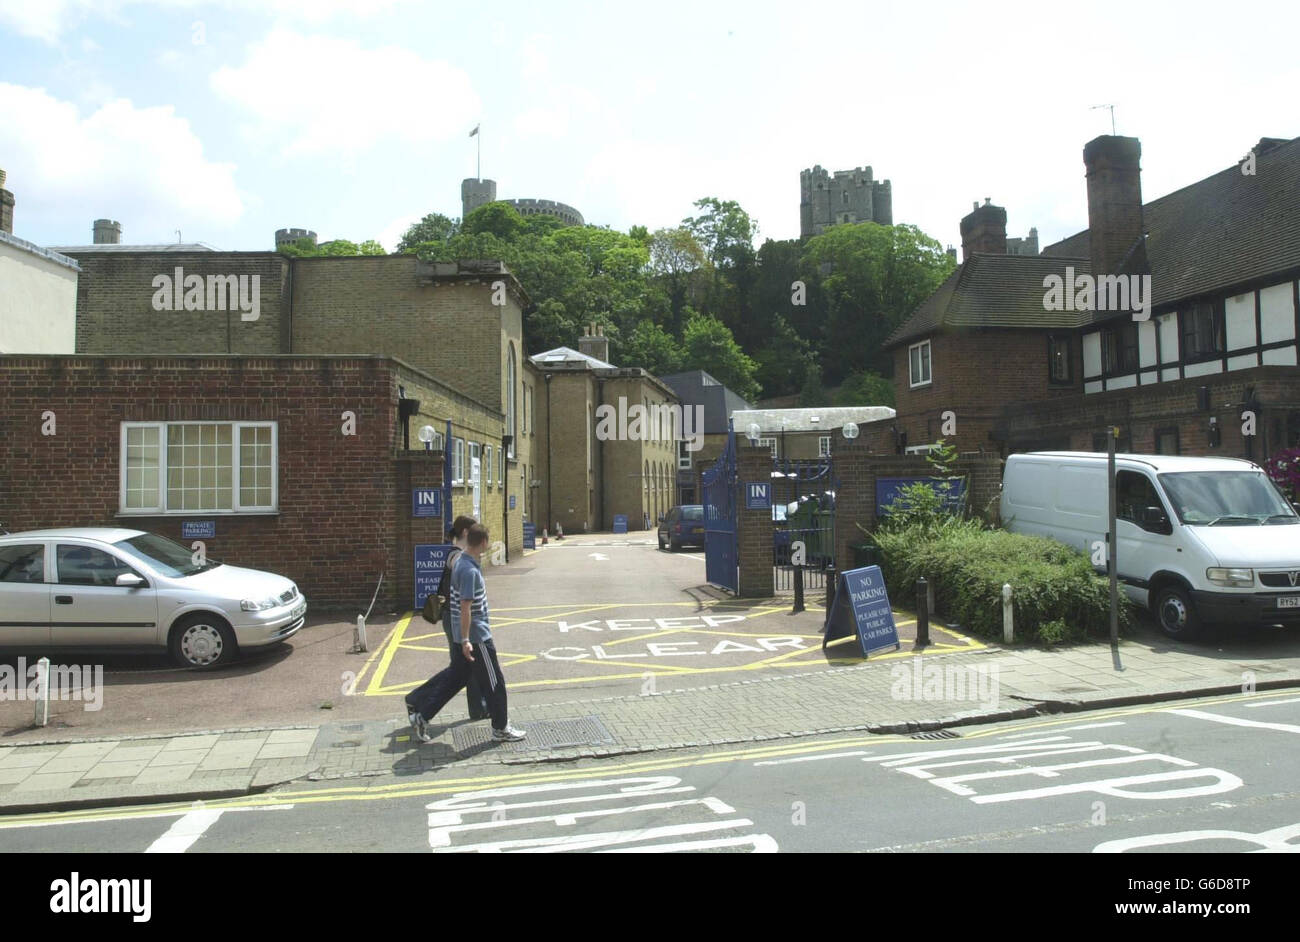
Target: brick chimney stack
6	207
984	230
1115	223
594	343
107	232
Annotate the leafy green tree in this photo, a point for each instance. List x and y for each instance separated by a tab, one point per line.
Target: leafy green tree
499	219
869	278
652	348
783	360
306	248
435	227
864	388
711	347
813	392
726	234
677	260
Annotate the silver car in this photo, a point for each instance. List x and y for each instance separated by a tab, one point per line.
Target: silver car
101	587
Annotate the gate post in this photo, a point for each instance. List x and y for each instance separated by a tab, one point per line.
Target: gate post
754	527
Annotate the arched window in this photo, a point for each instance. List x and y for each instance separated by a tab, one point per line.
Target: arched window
511	430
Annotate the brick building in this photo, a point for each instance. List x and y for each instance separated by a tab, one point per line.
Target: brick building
38	291
259	446
586	480
1182	332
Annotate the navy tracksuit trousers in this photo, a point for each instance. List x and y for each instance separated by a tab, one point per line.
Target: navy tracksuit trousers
436	692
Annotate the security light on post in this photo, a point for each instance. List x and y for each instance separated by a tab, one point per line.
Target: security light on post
425	435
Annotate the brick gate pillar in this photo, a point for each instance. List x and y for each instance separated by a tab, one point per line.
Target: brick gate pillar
855	496
753	527
414	469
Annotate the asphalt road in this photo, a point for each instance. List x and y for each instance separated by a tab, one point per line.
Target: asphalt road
1213	776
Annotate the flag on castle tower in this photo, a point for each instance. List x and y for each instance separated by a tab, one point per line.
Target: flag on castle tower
475	131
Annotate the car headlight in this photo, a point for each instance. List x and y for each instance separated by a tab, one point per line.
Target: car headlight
249	605
1237	578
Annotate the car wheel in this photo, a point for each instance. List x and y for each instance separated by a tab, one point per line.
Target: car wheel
1175	613
203	642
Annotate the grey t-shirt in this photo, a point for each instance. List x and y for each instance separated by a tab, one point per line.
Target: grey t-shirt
467	583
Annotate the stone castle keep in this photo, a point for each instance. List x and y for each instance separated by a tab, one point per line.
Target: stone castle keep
847	196
474	193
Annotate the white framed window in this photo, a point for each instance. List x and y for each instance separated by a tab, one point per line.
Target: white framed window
769	444
823	446
475	451
207	467
501	478
918	366
487	463
683	455
458	461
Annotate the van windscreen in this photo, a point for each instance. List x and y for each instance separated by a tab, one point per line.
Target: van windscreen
1226	498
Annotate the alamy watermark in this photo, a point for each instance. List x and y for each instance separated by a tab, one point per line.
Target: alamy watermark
1083	292
66	682
181	292
658	422
930	682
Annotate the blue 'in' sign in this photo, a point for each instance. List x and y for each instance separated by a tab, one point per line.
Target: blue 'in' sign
426	502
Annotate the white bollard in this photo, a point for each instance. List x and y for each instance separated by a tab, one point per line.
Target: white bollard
359	636
1008	618
43	693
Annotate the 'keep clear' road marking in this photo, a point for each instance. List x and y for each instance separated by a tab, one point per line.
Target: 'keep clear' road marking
483	814
1010	758
1237	721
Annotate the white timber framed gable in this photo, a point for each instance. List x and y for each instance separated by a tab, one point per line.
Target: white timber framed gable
1258	326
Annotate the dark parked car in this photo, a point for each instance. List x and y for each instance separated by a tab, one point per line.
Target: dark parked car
682	526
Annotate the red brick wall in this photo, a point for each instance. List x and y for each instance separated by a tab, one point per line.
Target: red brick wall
974	374
344	508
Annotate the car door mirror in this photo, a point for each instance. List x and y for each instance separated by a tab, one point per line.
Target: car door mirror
129	580
1155	519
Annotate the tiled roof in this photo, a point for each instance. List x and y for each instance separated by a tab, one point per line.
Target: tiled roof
117	247
992	291
569	355
1225	230
829	418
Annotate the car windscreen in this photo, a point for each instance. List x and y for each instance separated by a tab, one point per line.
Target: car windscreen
693	512
1226	498
164	556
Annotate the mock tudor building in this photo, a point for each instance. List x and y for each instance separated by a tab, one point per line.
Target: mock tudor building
617	467
1175	320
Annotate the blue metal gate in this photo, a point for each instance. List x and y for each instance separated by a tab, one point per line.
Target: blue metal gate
720	558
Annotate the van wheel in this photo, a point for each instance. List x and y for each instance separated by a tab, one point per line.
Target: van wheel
1174	611
202	642
661	542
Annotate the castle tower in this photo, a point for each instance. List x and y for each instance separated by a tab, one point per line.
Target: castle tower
474	193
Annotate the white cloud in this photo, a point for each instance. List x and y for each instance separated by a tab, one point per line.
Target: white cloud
392	233
360	99
48	20
142	166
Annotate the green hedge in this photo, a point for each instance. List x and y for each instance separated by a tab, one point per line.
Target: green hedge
1055	593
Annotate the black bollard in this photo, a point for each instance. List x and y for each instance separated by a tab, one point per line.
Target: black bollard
798	589
922	613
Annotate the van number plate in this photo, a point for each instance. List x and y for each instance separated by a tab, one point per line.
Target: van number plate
1288	601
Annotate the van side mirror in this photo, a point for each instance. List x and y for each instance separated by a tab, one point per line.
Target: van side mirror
1154	518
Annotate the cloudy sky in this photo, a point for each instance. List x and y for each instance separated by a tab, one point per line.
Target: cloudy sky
228	120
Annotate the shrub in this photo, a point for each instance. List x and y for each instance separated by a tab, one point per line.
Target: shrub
1056	595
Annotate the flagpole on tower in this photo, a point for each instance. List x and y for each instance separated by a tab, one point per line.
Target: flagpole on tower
478	160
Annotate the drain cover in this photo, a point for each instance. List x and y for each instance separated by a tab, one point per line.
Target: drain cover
544	734
937	734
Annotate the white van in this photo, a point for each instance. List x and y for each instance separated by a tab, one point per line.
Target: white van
1200	540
